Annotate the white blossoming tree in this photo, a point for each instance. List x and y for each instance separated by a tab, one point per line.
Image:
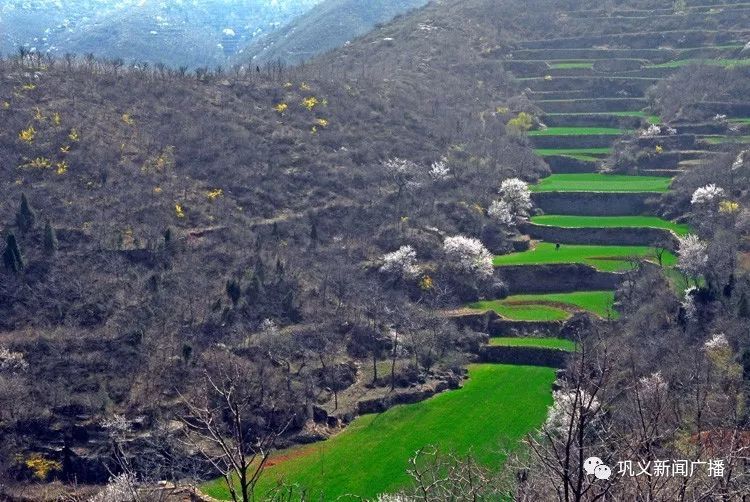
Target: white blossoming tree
404	174
401	264
439	171
693	256
514	203
707	196
468	258
12	362
500	211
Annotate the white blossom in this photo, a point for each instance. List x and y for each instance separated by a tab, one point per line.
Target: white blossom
718	341
468	257
393	497
403	173
707	194
12	362
500	211
121	488
670	131
516	194
653	385
118	425
653	130
688	303
567	408
693	255
439	170
401	263
719	117
739	161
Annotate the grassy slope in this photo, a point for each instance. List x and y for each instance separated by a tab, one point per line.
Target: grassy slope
546	307
547	343
570	221
594	182
605	258
496	407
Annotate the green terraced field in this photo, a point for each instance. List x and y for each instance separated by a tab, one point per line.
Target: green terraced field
570	221
551	307
589	154
604	258
572	65
726	63
743	120
545	343
371	456
578	131
596	182
718	140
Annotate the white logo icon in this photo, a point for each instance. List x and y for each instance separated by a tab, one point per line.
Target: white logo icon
595	466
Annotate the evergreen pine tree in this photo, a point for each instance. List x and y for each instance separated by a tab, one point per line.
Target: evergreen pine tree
25	217
313	233
233	291
12	255
50	239
744	307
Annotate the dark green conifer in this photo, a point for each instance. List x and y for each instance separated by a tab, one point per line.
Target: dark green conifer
12	258
25	217
50	239
233	291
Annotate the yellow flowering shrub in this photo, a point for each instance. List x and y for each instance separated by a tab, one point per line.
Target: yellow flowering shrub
38	115
288	85
6	105
74	136
521	123
304	87
41	467
56	119
127	119
281	107
38	163
214	194
61	167
426	283
502	110
728	207
27	135
310	102
158	190
28	87
322	122
314	130
659	149
65	149
179	211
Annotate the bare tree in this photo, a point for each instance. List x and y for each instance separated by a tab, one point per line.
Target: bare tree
225	422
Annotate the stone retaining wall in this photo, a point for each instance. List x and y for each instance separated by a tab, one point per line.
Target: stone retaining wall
595	203
556	278
563	164
601	236
581	141
530	356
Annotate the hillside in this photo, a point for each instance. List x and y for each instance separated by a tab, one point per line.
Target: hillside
328	25
394	245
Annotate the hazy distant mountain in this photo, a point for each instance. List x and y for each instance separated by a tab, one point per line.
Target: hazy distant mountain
177	32
330	24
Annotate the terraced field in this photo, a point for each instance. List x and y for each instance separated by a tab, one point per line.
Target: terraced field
574	221
544	343
371	456
595	182
604	258
551	307
591	95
